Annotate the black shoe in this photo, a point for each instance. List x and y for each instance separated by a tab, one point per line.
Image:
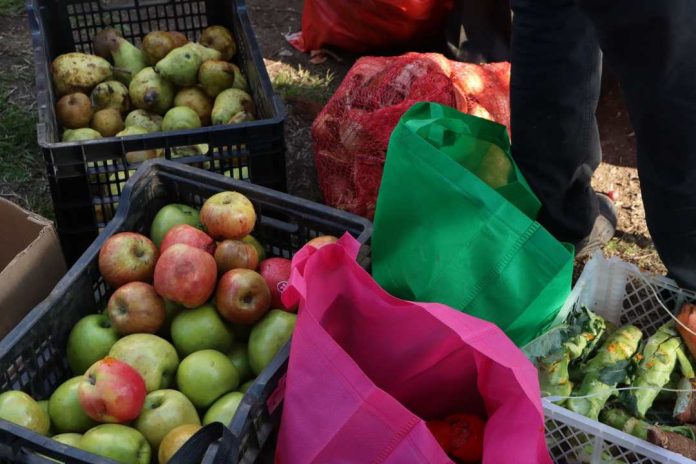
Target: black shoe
603	230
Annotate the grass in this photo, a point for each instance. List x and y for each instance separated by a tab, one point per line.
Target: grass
302	83
22	172
11	7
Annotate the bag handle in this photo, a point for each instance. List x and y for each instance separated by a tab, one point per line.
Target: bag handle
434	122
436	127
195	448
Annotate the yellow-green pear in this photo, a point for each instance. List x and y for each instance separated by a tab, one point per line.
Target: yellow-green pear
216	76
495	168
233	105
196	99
129	60
191	150
150	91
180	39
101	42
151	122
180	66
108	122
204	52
140	155
156	45
240	81
78	72
179	118
219	38
111	94
74	110
79	135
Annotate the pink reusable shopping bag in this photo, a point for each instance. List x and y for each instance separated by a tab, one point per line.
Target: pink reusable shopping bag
365	367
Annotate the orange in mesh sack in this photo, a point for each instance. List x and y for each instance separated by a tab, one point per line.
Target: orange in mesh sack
352	132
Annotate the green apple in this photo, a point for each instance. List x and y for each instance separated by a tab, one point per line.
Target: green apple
163	411
89	341
171	309
174	440
65	411
70	439
240	358
268	336
21	409
152	356
172	215
201	329
256	244
245	387
205	376
118	442
223	409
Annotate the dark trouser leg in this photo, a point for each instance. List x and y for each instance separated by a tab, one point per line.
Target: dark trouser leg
556	74
479	30
651	45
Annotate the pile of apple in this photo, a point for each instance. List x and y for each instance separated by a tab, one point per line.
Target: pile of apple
188	327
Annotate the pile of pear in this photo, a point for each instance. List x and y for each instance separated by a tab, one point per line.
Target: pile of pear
167	84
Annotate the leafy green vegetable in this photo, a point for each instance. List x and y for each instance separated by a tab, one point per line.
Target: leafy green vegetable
605	371
658	361
568	343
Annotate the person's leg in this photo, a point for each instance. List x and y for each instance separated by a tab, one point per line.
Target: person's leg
556	79
651	45
479	31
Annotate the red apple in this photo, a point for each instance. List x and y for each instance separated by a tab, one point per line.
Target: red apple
184	233
228	215
322	240
112	391
276	272
242	296
235	254
127	257
136	308
185	275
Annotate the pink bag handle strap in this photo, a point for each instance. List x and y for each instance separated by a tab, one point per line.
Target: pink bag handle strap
296	290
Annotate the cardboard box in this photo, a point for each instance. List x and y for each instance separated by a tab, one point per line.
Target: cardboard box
31	263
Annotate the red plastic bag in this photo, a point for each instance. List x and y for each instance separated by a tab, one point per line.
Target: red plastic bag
367	368
364	25
352	131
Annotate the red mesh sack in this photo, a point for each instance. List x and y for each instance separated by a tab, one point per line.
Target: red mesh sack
364	25
352	131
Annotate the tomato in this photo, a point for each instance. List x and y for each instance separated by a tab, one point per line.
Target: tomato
467	437
442	432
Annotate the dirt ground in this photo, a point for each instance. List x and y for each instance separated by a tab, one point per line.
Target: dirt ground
307	86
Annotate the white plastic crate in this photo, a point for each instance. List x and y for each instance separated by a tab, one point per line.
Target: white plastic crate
620	293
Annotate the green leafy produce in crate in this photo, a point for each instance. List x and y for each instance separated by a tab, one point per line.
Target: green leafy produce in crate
581	337
657	402
605	371
658	361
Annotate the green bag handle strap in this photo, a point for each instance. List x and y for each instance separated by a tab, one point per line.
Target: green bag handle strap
433	121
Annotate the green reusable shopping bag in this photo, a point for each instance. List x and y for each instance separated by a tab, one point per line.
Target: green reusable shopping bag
442	234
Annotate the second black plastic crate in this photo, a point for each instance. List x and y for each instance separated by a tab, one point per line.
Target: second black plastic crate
32	356
86	178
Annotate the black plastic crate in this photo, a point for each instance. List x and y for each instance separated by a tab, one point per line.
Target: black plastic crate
86	178
32	356
255	425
